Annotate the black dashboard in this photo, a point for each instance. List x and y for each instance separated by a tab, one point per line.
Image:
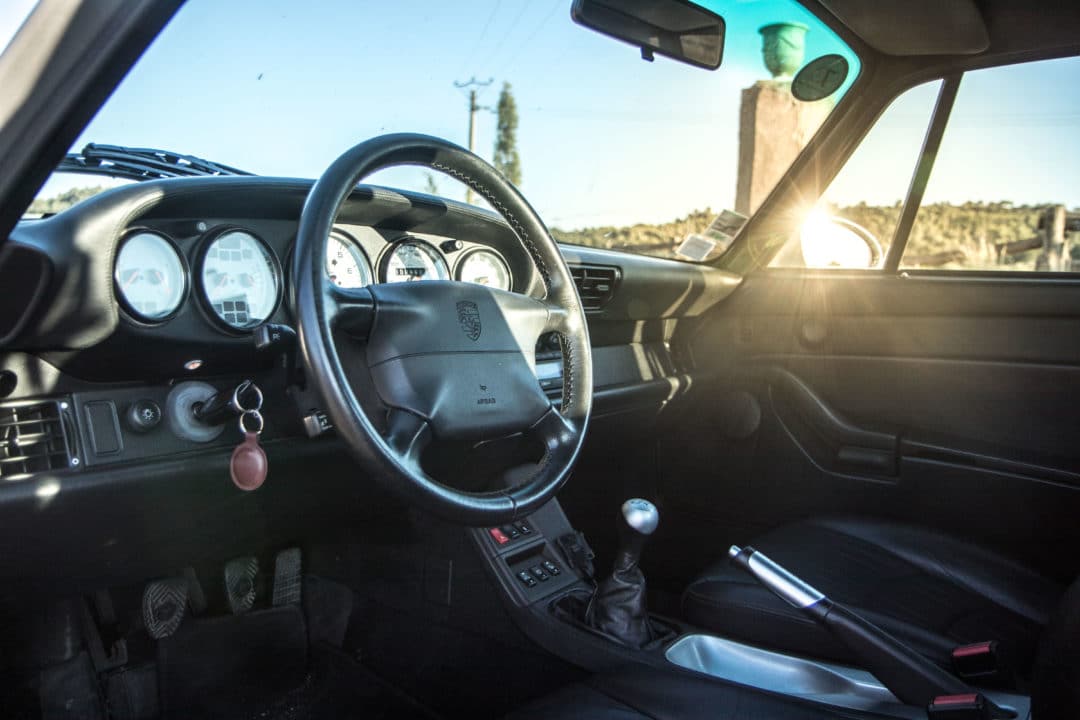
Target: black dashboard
116	305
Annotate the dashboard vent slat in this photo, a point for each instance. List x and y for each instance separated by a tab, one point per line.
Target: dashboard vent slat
33	439
595	284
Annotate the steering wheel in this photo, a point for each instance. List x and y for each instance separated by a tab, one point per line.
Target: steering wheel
450	361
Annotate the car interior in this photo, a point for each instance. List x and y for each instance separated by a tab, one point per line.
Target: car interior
247	473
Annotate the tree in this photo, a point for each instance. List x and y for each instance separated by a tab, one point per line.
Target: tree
506	158
430	186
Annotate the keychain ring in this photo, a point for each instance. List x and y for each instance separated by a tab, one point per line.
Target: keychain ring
243	388
257	416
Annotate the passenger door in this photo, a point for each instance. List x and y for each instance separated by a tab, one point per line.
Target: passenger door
941	387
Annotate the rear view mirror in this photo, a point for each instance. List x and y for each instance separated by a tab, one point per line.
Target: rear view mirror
677	29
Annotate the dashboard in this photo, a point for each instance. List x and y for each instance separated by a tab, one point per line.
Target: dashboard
116	311
122	306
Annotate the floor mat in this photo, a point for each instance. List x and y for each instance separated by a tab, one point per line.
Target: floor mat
338	687
257	666
221	667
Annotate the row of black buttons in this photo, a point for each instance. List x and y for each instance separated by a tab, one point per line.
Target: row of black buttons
542	573
509	533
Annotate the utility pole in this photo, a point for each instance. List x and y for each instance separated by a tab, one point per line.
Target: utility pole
472	84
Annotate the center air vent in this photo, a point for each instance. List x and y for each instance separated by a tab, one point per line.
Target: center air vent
33	439
595	284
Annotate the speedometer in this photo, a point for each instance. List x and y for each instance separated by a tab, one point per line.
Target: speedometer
484	267
346	264
240	279
150	276
413	260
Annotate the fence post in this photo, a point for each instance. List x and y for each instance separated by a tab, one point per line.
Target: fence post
1055	256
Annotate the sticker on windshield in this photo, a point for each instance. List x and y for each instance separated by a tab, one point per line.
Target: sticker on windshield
720	234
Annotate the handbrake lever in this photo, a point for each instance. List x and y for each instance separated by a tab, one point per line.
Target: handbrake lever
909	676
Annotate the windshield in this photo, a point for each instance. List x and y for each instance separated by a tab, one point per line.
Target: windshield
613	151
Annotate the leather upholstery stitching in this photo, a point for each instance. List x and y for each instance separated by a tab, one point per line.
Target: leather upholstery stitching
518	227
567	343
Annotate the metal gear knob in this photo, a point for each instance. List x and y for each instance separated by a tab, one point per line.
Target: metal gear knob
641	515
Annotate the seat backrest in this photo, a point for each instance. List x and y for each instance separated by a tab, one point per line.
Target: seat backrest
1056	688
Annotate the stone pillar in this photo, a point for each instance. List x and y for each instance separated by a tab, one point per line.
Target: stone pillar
773	126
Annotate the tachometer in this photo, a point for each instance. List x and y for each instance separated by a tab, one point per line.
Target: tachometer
240	279
413	260
484	267
346	264
150	276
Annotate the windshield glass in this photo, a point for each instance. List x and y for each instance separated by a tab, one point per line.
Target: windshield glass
613	151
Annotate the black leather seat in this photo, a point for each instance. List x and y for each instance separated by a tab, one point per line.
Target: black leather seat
662	694
932	591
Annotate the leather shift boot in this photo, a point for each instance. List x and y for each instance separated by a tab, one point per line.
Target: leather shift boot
618	609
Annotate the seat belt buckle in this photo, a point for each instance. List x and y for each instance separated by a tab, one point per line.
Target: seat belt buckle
978	661
969	706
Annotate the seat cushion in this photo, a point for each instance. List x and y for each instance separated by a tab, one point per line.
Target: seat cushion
928	589
670	694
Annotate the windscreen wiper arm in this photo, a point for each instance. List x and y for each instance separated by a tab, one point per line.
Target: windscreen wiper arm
140	163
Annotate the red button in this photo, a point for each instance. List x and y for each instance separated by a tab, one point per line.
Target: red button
499	536
966	699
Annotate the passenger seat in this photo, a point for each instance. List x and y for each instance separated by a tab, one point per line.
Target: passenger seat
932	591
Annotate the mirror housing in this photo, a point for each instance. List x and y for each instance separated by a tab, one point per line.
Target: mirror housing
833	242
677	29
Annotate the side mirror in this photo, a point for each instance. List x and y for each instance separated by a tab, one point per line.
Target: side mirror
677	29
832	242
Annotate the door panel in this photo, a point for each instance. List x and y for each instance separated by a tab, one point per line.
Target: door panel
952	402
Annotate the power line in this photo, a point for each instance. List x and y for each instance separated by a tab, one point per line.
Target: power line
483	34
524	45
502	41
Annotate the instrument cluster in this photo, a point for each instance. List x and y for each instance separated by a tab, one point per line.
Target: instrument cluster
239	281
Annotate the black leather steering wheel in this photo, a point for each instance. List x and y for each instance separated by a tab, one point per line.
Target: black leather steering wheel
450	361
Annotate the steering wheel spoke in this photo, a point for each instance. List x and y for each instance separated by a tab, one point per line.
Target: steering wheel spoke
350	310
554	430
408	435
558	318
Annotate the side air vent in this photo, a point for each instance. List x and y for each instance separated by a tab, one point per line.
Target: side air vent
33	438
595	284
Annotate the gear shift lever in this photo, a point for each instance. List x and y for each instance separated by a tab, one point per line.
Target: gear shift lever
617	608
640	519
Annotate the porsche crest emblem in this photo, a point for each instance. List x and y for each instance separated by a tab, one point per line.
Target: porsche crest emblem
468	316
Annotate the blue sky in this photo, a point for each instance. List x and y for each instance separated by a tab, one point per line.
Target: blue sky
281	87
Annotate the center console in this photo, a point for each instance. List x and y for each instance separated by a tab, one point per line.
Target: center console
545	571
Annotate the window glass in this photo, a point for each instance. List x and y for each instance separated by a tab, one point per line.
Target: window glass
1004	193
13	14
853	223
613	151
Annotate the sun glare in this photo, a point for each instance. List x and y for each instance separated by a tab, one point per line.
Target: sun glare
826	244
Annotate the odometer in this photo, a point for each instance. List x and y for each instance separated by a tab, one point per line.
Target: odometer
413	260
240	279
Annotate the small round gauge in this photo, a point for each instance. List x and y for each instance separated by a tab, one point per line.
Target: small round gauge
150	276
346	264
484	267
413	260
240	279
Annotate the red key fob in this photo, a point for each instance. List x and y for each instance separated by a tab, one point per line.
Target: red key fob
248	464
